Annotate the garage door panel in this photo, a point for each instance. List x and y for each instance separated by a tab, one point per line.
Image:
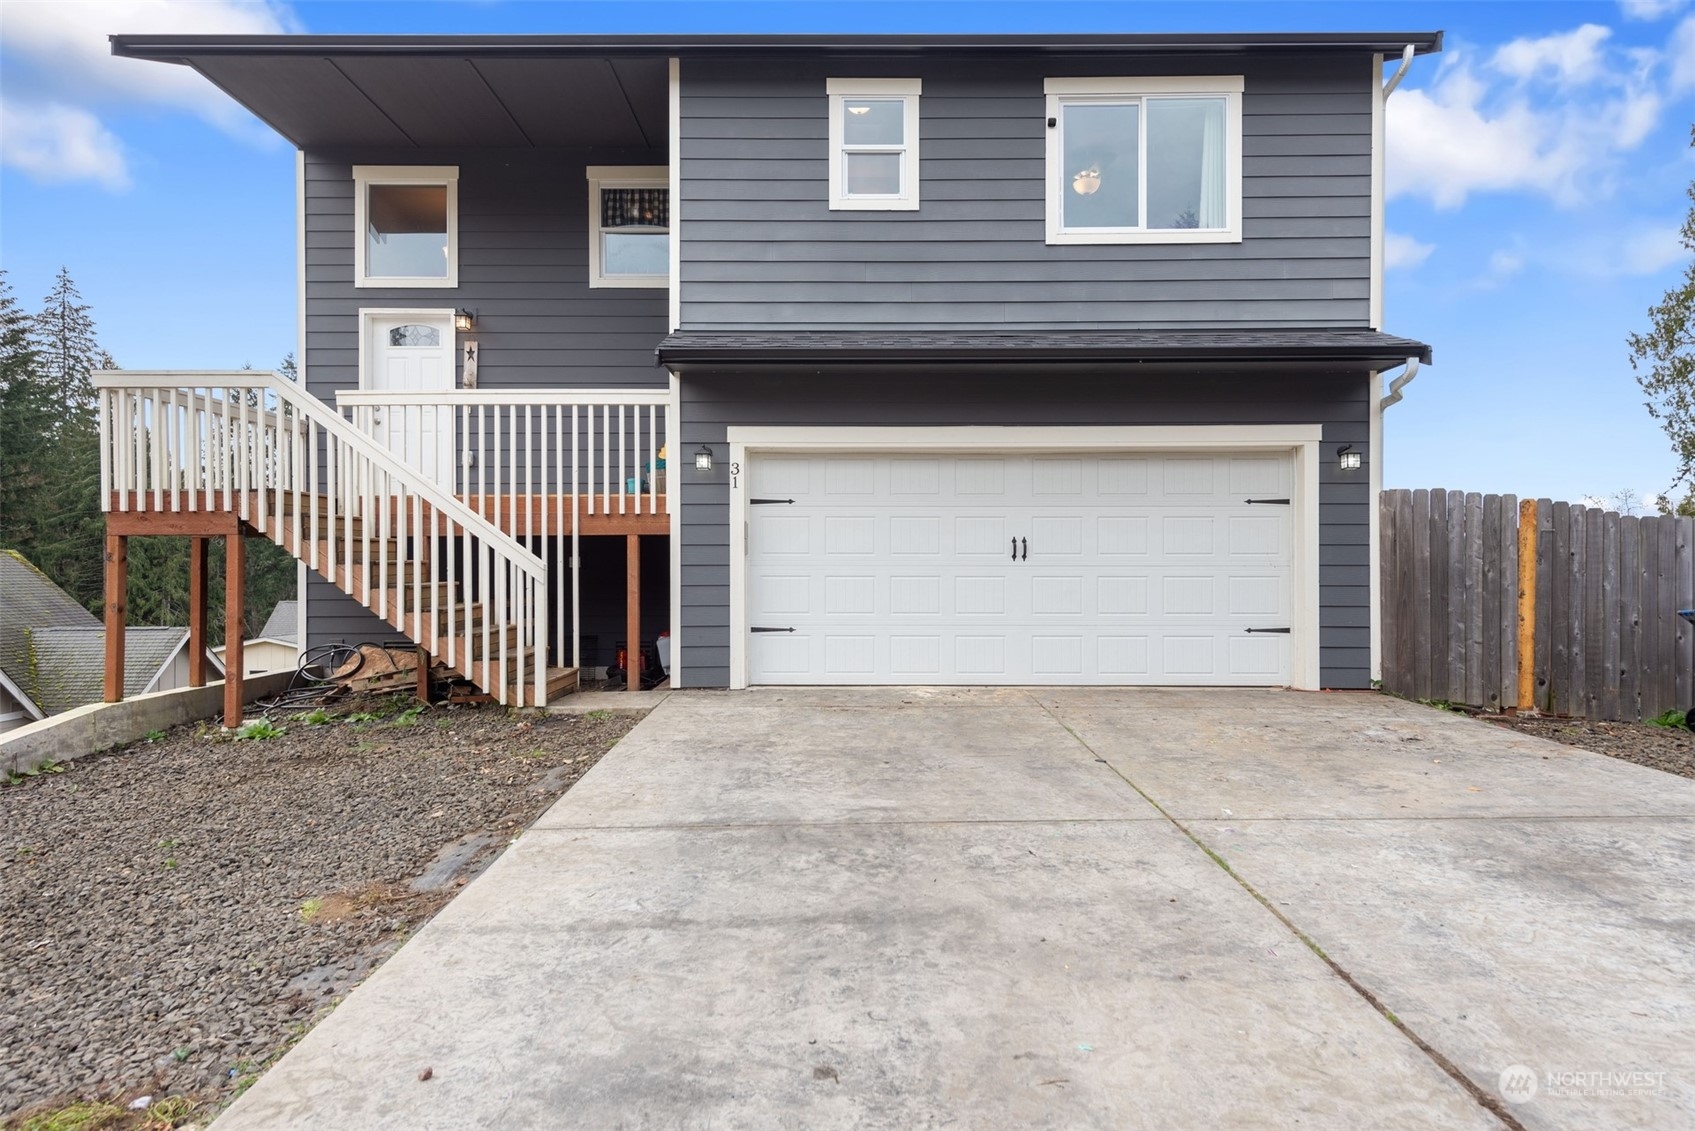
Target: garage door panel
846	478
899	569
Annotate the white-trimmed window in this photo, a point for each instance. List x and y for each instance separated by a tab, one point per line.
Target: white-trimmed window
1133	160
873	143
406	225
629	226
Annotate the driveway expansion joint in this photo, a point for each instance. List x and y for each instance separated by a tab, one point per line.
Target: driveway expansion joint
1489	1103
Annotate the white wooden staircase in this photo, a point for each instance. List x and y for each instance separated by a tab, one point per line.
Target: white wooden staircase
187	454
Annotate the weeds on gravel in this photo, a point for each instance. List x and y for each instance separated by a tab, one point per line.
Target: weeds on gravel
155	736
360	718
84	1116
47	767
409	717
260	729
317	717
1670	719
310	909
171	1111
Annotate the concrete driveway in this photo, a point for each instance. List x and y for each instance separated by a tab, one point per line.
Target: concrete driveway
1056	909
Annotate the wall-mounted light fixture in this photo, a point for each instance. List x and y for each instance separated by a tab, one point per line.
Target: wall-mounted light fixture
1347	459
1088	182
464	321
703	458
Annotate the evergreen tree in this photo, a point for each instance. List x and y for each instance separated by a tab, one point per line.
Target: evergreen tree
65	339
27	421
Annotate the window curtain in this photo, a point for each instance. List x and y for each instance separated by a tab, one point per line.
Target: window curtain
635	208
1212	165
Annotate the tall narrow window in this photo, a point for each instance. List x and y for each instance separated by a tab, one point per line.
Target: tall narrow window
406	221
629	226
1145	160
873	143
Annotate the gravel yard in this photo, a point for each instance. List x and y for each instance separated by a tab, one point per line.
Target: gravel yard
174	915
1671	749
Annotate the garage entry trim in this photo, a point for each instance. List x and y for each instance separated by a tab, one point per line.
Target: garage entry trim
1301	441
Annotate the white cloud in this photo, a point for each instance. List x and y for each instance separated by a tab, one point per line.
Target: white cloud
1650	9
63	50
52	142
1553	116
1652	251
1572	57
1404	251
1680	56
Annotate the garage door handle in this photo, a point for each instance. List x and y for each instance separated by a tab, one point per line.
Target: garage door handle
1273	502
761	628
1015	549
1026	542
1284	631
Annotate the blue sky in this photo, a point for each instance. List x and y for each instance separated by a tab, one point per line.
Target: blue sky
1538	171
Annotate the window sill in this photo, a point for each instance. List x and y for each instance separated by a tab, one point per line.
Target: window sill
632	282
448	284
1175	236
850	204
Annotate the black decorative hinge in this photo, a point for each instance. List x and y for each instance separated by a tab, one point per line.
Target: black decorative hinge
1273	502
767	502
760	628
1283	631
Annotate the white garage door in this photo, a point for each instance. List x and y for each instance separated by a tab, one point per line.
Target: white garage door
1105	569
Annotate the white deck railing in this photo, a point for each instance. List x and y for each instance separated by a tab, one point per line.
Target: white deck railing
603	445
386	533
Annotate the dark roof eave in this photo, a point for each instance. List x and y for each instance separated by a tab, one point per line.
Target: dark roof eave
181	48
1387	354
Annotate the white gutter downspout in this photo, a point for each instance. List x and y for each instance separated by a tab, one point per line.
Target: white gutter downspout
1378	402
1398	384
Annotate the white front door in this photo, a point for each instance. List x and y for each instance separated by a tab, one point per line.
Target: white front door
1123	568
413	352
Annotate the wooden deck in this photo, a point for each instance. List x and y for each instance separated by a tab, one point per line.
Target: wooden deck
217	513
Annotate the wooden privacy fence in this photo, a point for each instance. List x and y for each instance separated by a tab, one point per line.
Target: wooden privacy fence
1570	610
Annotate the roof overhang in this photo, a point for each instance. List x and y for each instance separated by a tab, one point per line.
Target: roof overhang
1323	349
330	91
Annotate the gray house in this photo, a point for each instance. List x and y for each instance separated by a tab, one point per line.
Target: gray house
844	360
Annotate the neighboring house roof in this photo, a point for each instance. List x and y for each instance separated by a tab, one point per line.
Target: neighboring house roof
1335	347
283	625
28	600
71	663
544	90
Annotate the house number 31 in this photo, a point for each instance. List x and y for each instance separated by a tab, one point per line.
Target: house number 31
735	473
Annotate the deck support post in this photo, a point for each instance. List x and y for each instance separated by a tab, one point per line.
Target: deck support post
421	686
633	612
197	558
235	595
117	613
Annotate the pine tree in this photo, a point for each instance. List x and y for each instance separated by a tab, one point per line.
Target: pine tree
27	421
65	339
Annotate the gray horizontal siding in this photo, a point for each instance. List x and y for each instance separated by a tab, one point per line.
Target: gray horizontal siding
870	398
762	248
523	267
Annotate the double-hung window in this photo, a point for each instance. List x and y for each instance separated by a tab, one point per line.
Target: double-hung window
1145	160
873	144
629	226
406	225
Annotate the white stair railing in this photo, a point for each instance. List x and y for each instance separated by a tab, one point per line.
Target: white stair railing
533	461
383	531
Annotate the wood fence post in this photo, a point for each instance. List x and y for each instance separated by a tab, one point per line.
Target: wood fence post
1527	604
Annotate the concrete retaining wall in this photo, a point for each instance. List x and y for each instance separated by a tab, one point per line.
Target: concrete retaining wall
101	726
